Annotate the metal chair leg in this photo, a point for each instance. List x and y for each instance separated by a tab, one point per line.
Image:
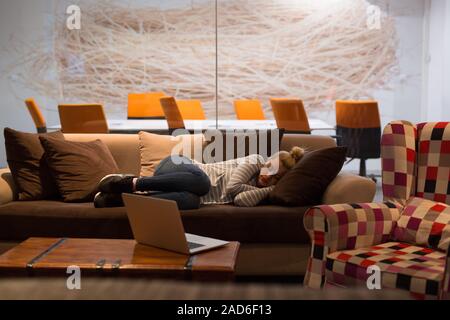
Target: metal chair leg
362	168
363	171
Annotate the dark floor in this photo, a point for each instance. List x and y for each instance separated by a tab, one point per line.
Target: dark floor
141	289
270	279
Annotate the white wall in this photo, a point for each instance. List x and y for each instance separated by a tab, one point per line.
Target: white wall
437	69
24	18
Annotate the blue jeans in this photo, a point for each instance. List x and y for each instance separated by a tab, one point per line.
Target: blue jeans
182	182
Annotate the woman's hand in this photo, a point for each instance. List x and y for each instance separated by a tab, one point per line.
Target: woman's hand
253	197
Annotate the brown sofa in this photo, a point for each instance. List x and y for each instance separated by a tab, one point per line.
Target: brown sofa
273	239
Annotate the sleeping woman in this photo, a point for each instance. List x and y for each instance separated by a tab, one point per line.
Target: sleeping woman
245	182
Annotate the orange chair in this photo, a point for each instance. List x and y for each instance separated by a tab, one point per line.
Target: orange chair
191	109
249	110
172	114
358	127
290	115
145	105
82	118
36	115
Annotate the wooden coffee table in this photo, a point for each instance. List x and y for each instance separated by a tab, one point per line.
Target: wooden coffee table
52	256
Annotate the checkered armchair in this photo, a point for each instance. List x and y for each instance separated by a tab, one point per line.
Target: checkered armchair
408	236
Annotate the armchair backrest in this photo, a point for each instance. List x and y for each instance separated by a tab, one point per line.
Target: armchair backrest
433	161
416	161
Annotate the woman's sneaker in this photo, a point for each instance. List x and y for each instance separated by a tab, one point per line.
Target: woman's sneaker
116	183
108	200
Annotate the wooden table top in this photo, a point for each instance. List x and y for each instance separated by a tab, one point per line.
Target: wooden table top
106	255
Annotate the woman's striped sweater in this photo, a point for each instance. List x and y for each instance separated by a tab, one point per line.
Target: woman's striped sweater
234	181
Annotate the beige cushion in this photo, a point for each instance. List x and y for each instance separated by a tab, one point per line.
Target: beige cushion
8	190
123	147
349	188
155	148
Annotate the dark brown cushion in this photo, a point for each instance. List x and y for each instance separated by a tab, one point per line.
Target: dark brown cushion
233	142
77	167
25	157
264	224
306	183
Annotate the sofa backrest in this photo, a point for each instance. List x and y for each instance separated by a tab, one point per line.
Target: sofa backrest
125	147
433	161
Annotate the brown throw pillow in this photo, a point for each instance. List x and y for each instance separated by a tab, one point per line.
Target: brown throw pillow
77	167
306	183
26	161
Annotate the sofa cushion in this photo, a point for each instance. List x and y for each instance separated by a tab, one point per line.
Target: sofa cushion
26	160
403	266
267	224
77	167
424	222
21	220
307	182
155	147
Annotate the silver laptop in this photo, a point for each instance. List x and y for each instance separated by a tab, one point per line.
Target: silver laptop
157	222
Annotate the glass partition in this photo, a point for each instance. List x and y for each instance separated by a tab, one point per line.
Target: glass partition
317	51
320	52
117	48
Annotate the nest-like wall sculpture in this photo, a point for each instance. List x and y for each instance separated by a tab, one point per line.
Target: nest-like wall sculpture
316	50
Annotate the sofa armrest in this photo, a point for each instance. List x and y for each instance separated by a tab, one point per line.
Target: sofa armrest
8	190
349	188
345	227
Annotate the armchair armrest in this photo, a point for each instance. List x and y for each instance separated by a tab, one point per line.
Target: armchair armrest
345	227
8	190
349	188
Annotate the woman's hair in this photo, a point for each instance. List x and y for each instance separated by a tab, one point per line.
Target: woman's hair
290	159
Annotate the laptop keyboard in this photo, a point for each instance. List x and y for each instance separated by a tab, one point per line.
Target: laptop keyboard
193	245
